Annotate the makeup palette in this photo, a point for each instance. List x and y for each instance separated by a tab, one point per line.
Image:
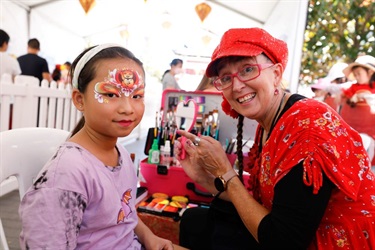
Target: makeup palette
172	207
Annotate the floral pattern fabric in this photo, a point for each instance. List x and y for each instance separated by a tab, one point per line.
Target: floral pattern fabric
314	133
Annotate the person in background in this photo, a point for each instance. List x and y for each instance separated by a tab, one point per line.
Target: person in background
32	64
8	64
336	74
169	80
357	105
362	69
86	193
336	83
65	68
310	184
320	89
56	73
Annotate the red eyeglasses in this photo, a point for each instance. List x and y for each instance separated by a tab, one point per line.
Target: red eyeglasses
247	73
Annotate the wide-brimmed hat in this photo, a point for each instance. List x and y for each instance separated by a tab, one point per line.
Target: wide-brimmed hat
365	61
248	42
336	71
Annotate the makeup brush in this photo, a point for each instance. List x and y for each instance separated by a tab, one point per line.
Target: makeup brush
156	124
215	114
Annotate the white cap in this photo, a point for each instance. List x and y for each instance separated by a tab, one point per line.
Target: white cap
336	71
167	145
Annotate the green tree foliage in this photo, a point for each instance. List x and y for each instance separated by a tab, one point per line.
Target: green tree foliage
336	31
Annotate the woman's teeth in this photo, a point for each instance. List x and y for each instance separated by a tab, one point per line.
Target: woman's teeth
246	98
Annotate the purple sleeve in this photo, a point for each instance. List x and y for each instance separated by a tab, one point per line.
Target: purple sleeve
51	219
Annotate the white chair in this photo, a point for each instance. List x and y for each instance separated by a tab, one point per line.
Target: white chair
24	151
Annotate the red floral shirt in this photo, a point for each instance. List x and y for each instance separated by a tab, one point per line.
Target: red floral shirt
312	132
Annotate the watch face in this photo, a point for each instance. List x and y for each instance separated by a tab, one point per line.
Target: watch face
219	185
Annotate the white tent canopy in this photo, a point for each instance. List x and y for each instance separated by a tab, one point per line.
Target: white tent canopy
155	30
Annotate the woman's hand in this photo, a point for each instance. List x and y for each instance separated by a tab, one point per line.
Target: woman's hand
190	162
204	154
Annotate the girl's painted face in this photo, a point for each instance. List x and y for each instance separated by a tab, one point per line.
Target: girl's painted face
253	98
361	75
119	82
114	100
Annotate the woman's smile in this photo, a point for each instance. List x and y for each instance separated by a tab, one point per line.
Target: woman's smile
246	98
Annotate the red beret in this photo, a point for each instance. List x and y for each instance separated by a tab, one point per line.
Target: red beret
248	42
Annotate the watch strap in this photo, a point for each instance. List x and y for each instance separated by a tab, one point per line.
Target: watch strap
221	182
229	175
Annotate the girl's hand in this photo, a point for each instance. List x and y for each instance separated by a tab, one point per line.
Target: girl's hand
156	243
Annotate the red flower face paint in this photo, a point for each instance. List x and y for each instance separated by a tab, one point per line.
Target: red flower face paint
118	82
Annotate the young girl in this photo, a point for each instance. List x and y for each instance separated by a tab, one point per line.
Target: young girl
84	197
357	107
363	70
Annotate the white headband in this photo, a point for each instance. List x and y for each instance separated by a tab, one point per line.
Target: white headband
87	57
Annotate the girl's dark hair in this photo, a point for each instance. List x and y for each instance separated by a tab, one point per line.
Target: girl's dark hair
372	80
89	70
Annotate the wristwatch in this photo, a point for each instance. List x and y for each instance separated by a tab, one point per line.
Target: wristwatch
221	182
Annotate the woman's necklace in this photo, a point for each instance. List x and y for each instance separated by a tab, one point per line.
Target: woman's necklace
274	120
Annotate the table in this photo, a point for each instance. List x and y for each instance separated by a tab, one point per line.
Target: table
162	226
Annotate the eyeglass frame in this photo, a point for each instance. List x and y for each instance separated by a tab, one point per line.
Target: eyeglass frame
258	65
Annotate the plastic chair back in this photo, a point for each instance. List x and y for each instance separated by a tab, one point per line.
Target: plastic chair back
24	151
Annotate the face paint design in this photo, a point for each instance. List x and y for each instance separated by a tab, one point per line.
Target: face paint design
124	81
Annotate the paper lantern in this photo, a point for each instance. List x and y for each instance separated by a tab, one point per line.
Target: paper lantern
206	39
202	10
87	5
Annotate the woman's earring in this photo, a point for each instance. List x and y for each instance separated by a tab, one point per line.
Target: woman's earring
276	91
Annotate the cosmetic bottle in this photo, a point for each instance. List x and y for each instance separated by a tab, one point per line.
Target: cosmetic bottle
154	153
165	154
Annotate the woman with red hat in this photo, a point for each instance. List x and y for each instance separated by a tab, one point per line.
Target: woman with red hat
310	184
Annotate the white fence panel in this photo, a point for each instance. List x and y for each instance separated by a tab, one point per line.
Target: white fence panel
26	104
60	108
43	107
